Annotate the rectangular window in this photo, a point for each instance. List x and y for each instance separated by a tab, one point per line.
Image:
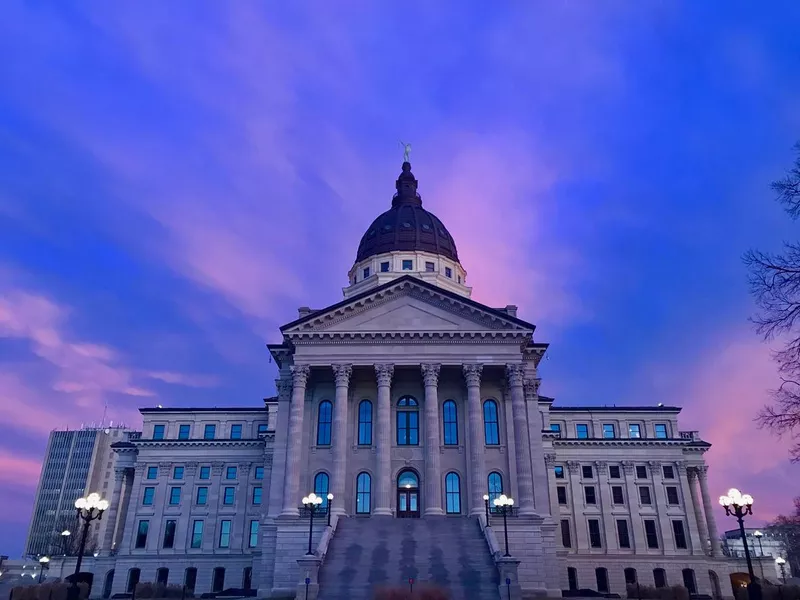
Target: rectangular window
555	428
257	495
672	495
169	533
177	473
407	428
174	496
613	472
595	541
617	496
622	533
209	432
429	267
644	495
236	431
408	265
609	432
197	534
152	472
385	267
230	473
366	272
201	498
228	496
566	538
641	472
588	493
587	472
559	471
661	431
158	432
141	534
582	431
205	472
680	535
669	472
259	473
253	542
149	494
651	533
634	431
225	534
448	272
561	492
184	431
262	428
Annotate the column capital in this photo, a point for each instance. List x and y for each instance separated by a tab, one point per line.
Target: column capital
342	373
119	473
430	373
472	373
550	459
601	466
573	466
681	467
702	471
532	388
384	372
628	466
300	374
191	469
284	388
515	373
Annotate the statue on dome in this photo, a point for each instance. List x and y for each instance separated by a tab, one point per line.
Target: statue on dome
406	151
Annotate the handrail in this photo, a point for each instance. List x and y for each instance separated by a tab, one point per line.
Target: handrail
327	535
491	539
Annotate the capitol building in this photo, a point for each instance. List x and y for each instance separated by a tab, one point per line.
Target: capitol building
415	407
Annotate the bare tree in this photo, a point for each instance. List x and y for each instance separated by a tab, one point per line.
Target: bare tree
787	529
775	285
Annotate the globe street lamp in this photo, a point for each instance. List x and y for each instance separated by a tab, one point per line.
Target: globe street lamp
740	505
781	562
42	566
89	509
504	503
311	502
65	540
486	506
758	535
330	503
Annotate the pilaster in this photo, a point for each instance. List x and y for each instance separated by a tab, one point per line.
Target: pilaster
294	446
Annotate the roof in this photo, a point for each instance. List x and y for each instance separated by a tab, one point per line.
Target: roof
204	409
424	284
620	408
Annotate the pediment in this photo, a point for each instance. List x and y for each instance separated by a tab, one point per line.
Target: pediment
406	306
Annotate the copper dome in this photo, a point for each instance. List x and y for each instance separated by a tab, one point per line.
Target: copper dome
407	226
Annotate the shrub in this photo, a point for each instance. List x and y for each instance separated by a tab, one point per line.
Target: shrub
145	589
421	592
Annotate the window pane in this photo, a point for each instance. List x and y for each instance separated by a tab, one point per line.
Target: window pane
158	432
253	534
209	432
661	430
559	471
259	474
202	495
490	423
566	538
363	490
169	534
651	533
325	416
622	534
197	534
236	432
183	432
152	472
257	491
228	496
495	486
582	431
321	487
634	431
175	496
449	412
365	423
609	431
224	534
453	493
205	472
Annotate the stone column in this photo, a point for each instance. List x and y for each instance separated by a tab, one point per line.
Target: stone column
294	446
522	452
134	495
552	484
577	501
113	511
538	468
383	440
339	482
122	516
690	505
638	539
716	546
477	466
433	474
606	510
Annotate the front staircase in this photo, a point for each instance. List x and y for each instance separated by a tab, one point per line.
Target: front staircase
376	552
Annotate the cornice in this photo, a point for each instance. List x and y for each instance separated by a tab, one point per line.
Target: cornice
628	443
267	438
305	338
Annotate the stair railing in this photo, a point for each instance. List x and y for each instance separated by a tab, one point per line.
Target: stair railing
327	535
491	538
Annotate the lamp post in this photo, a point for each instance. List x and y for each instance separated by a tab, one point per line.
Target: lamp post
42	565
311	502
740	505
758	535
504	503
781	562
65	540
330	504
486	505
89	509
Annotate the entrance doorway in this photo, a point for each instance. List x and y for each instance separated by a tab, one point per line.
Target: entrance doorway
408	495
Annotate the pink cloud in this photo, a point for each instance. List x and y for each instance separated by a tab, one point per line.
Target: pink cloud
187	379
18	470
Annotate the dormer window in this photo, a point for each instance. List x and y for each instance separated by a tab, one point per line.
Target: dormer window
661	431
429	267
366	272
448	272
385	267
408	265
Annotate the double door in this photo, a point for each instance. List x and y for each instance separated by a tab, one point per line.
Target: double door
408	503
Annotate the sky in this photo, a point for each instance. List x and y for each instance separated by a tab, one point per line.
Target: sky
177	178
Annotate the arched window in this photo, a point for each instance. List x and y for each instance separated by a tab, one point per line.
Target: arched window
630	575
660	578
322	487
325	416
407	422
491	429
133	579
495	486
363	493
218	581
689	582
162	575
365	423
601	574
452	486
450	419
247	578
572	578
190	579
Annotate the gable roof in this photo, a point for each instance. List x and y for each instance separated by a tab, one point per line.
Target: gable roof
417	282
